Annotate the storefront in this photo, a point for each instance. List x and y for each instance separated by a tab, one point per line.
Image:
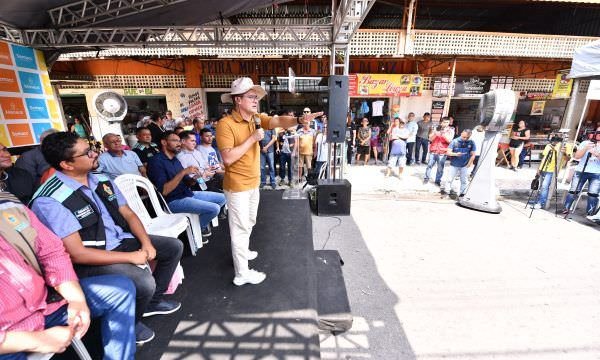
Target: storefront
183	103
379	97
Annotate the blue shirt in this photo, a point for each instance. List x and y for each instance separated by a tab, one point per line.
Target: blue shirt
593	164
161	169
62	221
464	147
267	139
113	165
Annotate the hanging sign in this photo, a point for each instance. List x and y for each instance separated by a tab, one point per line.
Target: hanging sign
471	86
137	91
562	86
385	85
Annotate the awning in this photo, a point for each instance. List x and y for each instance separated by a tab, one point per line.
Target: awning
586	61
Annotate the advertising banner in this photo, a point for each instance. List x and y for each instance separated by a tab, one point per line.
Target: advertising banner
537	107
28	105
562	86
472	86
385	85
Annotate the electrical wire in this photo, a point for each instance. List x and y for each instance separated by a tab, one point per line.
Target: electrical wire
330	231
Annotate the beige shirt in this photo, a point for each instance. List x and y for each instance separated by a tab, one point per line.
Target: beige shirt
232	131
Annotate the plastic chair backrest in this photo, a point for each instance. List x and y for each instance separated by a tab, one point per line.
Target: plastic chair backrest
127	184
153	195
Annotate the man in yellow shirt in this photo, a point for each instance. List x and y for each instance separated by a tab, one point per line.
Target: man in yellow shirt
238	137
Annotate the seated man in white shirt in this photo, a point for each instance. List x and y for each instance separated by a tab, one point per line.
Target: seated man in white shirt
211	156
192	154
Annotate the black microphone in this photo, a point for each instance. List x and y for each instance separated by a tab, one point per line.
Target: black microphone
256	122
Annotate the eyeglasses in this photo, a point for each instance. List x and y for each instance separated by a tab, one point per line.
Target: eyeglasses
90	153
252	97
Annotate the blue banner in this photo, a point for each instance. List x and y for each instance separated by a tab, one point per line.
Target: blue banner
37	108
38	129
24	56
30	83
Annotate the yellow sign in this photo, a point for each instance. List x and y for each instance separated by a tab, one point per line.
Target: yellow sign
385	85
562	86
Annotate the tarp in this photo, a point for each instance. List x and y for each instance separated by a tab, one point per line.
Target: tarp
586	61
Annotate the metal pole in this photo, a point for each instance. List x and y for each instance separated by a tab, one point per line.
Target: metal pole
571	109
449	97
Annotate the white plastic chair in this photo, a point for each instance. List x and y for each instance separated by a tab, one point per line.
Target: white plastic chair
75	343
128	184
164	224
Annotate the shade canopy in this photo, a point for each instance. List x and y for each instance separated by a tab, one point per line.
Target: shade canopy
586	61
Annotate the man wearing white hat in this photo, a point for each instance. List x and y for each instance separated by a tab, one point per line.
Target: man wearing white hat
238	136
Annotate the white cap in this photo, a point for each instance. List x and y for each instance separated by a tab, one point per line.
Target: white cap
241	86
306	109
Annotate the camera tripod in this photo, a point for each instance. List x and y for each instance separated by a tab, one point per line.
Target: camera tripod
552	153
579	184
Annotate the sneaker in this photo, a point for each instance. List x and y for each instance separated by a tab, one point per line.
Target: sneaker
437	183
143	334
594	218
443	192
251	255
163	307
425	181
453	195
273	186
537	206
250	277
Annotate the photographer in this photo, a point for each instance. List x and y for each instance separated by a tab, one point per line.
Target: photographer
588	170
546	170
440	138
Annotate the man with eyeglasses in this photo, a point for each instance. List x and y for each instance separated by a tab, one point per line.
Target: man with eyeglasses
14	180
238	137
99	231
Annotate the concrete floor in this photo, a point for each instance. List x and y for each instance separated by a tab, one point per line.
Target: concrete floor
430	280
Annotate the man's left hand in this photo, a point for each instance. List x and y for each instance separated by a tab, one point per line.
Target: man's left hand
150	251
307	118
78	317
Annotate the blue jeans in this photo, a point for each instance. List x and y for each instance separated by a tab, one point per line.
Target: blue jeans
421	144
451	174
207	204
149	287
434	159
285	160
410	156
593	189
546	176
264	158
111	298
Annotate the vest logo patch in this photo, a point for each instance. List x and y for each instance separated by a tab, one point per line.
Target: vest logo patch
13	221
84	212
108	190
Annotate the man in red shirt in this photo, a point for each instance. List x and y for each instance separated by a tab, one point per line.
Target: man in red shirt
37	320
439	139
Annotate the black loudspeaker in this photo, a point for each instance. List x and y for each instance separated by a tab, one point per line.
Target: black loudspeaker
338	108
333	197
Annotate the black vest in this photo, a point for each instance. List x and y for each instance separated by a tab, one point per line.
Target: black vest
85	209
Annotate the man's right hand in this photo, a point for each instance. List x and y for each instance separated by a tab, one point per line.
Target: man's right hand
258	135
191	170
138	257
55	339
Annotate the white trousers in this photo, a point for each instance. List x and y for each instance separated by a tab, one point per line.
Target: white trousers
242	208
